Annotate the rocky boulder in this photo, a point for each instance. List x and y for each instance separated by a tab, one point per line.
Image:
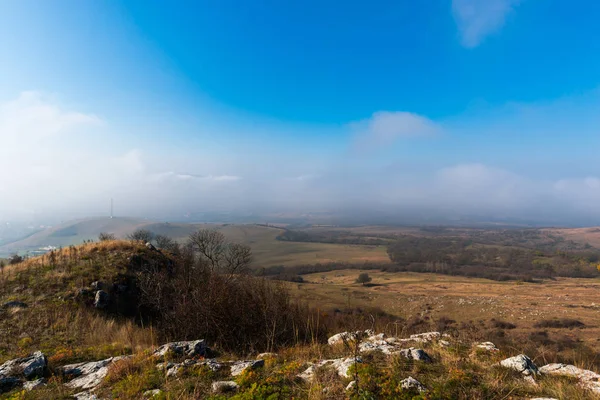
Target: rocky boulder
424	337
522	364
588	379
172	369
341	366
411	383
31	385
488	346
349	336
239	367
187	349
88	375
415	354
29	367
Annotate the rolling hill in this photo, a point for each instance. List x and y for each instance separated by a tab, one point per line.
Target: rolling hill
267	250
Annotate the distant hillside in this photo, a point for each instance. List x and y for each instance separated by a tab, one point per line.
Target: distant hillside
268	251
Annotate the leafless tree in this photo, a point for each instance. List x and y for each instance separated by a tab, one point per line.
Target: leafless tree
221	256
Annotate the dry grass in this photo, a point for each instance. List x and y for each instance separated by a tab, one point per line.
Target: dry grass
431	296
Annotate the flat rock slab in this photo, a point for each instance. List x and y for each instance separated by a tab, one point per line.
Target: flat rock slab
238	367
88	375
587	379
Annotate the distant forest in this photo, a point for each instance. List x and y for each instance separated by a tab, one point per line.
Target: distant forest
501	254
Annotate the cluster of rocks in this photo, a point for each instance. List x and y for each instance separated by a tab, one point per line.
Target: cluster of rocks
30	372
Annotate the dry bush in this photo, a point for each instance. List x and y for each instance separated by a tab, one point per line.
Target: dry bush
569	323
205	294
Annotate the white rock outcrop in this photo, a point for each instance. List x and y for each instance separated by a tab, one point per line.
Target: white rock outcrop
188	349
587	379
238	367
88	375
31	385
341	366
349	336
33	366
522	364
411	383
489	346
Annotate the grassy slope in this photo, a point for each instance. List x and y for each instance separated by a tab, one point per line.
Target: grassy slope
68	331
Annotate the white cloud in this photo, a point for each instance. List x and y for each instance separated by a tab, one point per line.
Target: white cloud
385	127
33	117
477	19
54	160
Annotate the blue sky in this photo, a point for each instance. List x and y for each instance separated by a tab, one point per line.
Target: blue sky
461	106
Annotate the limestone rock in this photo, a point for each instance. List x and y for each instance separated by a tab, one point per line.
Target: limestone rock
224	386
489	346
349	336
30	367
31	385
411	383
520	363
415	354
425	337
188	349
341	366
263	356
85	396
88	375
240	366
379	345
588	379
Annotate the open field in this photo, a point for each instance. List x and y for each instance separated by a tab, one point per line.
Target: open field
580	235
409	295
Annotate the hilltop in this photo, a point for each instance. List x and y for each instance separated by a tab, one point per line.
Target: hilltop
84	309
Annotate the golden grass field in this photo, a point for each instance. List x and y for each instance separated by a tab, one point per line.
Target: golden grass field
407	295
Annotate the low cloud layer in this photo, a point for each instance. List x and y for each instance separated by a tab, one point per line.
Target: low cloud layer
58	162
477	19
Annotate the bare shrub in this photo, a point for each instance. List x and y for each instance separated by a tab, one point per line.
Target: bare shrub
142	235
206	295
569	323
105	237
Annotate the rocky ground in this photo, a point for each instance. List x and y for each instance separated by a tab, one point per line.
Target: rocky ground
367	356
